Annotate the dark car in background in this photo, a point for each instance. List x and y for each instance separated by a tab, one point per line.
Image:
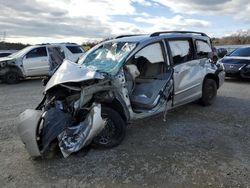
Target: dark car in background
5	53
237	63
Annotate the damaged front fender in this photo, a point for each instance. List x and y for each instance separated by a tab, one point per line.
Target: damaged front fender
71	138
74	138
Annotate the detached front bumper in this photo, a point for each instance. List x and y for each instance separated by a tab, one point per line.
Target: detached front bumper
71	139
27	123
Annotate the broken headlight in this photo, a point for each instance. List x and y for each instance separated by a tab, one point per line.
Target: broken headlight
3	64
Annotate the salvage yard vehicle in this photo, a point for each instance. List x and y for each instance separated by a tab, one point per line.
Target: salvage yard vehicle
116	82
237	63
34	61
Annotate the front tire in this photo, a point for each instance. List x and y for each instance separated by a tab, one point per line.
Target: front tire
114	131
209	92
11	77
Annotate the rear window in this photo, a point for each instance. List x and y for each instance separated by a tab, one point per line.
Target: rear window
75	49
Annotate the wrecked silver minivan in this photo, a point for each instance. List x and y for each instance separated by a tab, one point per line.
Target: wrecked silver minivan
116	82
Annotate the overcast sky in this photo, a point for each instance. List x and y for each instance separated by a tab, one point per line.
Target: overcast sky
37	21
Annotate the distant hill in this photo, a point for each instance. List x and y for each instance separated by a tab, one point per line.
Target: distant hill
12	46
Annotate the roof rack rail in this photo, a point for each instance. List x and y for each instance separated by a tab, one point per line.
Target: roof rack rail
182	32
42	44
121	36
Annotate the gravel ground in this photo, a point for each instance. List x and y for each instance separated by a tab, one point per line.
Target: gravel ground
197	147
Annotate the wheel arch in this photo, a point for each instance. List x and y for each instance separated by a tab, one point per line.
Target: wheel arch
213	77
116	105
15	69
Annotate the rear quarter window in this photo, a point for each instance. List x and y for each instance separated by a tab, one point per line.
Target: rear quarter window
75	49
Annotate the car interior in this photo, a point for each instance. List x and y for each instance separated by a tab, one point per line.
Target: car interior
152	79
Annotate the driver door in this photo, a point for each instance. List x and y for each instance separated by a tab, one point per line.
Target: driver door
36	62
154	81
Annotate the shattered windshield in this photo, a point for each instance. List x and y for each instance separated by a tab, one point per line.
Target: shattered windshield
108	57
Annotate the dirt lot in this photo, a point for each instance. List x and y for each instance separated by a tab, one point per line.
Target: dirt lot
197	147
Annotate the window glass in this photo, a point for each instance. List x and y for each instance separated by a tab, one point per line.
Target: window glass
153	53
181	51
241	52
203	47
75	49
37	52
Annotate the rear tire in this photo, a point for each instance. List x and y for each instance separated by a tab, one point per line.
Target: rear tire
11	77
114	131
209	92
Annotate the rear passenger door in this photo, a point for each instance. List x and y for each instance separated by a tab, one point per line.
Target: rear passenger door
187	75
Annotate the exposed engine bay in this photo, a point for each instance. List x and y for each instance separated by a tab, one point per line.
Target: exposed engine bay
65	116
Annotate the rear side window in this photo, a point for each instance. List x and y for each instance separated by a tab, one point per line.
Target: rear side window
203	48
37	52
75	49
182	51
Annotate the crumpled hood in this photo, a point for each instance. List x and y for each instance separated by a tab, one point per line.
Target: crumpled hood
72	72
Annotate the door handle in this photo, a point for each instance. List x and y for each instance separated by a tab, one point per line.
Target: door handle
176	72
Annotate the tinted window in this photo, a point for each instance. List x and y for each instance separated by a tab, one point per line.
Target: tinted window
203	48
243	52
37	52
75	49
181	50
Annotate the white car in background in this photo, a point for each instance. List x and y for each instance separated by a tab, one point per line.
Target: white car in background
35	60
